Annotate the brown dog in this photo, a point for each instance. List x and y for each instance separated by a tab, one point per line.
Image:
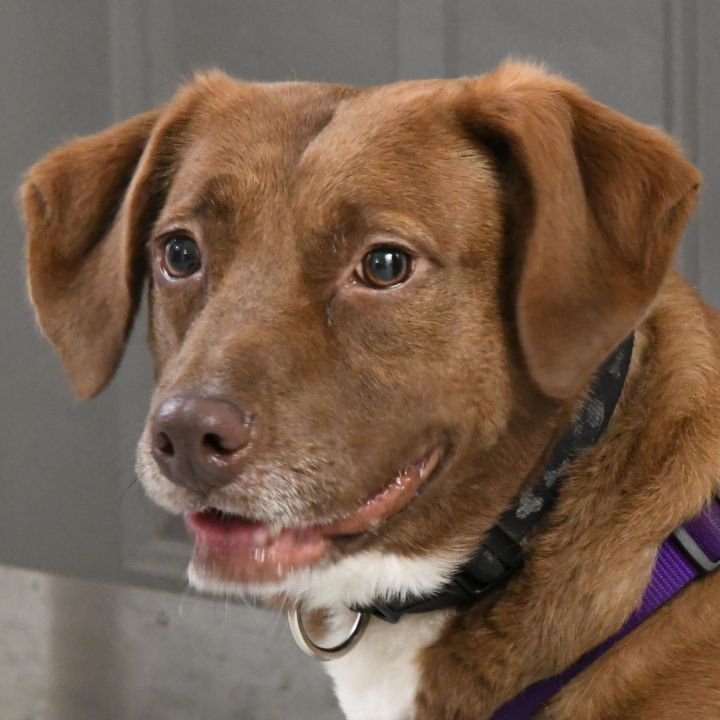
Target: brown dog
373	311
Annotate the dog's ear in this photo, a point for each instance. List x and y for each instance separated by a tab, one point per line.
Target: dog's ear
84	258
595	206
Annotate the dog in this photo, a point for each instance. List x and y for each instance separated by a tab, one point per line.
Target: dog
374	315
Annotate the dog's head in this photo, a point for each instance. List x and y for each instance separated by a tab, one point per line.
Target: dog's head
370	309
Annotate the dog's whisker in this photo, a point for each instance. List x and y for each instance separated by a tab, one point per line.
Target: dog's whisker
186	593
131	484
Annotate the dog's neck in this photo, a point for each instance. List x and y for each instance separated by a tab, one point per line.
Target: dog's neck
500	554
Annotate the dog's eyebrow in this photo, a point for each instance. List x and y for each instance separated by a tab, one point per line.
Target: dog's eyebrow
216	197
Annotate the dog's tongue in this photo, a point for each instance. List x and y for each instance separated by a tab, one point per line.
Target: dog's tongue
254	550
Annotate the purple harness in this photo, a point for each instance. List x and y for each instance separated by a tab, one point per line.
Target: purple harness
690	553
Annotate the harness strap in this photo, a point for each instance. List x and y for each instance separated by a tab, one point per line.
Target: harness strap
691	552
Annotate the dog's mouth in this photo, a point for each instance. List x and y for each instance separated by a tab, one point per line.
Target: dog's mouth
240	550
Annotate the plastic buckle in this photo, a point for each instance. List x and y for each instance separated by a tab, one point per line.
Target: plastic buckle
476	588
386	613
694	552
492	567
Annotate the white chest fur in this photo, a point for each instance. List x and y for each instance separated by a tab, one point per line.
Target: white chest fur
378	679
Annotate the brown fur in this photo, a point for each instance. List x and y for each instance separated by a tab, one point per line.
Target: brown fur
545	224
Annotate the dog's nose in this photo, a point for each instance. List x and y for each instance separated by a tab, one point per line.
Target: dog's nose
198	442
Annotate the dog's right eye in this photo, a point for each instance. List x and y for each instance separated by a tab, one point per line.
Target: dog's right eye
385	267
181	256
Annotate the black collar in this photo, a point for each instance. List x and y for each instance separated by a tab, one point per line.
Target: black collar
500	555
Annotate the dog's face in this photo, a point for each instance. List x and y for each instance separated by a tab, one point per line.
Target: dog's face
368	308
360	378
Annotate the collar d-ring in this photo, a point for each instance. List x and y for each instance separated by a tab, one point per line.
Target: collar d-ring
309	647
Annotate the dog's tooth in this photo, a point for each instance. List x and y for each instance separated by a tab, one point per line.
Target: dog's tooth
261	536
275	529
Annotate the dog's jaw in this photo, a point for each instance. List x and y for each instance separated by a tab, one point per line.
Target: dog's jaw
361	579
357	579
338	574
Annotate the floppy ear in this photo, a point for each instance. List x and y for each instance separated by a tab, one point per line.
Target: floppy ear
596	203
84	261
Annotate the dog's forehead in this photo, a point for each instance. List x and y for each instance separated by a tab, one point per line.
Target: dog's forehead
241	139
290	124
234	125
311	148
398	146
383	129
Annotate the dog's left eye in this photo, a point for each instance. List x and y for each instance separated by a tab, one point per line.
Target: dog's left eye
181	256
385	267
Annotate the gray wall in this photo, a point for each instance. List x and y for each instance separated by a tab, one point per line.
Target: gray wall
67	499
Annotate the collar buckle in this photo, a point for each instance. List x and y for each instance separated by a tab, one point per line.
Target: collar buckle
498	558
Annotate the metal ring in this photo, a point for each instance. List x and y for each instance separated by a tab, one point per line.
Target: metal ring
306	644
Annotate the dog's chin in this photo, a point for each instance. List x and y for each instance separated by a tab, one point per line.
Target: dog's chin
236	555
357	580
